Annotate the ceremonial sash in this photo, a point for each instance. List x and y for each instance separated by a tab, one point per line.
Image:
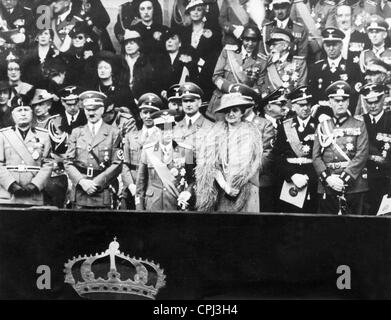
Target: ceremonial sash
294	140
19	147
309	22
239	11
274	77
163	173
234	67
334	143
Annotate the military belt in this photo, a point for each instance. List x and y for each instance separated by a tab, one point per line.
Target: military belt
23	168
299	161
337	165
89	171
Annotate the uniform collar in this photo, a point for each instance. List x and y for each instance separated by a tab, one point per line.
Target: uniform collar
335	61
378	117
303	123
340	121
378	51
193	118
283	23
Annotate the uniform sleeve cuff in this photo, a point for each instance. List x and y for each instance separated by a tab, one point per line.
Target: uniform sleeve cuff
345	177
324	175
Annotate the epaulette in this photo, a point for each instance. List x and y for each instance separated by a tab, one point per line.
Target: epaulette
262	56
319	61
298	57
41	129
126	115
359	117
270	22
231	47
27	8
78	18
330	2
184	145
149	145
6	128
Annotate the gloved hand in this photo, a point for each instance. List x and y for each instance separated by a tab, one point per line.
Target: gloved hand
299	180
238	30
335	183
31	188
17	190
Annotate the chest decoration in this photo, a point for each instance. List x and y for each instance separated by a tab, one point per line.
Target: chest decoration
386	140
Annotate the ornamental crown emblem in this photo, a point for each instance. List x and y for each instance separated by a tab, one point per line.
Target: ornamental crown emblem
114	275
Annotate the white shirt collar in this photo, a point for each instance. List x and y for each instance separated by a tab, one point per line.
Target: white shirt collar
335	61
166	148
377	118
65	14
303	123
97	125
272	120
245	53
380	50
173	55
69	117
193	118
282	23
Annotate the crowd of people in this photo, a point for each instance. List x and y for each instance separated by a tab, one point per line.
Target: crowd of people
231	106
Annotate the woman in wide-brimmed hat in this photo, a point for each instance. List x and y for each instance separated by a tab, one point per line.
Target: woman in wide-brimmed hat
229	161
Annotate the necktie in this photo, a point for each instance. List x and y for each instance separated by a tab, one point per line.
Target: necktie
190	124
373	121
93	129
72	119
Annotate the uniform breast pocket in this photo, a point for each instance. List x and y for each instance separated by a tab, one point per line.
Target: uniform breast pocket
105	153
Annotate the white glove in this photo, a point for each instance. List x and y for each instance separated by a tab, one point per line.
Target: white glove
183	199
335	183
299	180
238	30
132	189
231	191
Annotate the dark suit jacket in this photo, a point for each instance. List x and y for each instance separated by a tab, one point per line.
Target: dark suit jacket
81	120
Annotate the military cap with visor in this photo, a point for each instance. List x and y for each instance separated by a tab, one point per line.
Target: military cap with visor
279	34
95	99
150	101
332	35
173	93
372	92
300	94
339	89
190	90
70	94
376	22
163	118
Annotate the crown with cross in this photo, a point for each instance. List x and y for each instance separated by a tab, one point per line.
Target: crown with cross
114	274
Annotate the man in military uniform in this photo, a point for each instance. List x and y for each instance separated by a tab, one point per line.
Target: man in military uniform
174	101
64	19
354	41
376	29
93	160
271	108
57	185
194	125
165	176
282	10
133	145
378	124
293	152
14	15
326	71
339	156
25	166
73	115
283	69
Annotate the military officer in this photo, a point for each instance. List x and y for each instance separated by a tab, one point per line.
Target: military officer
283	69
175	101
191	129
354	41
133	145
73	115
56	187
14	15
293	152
340	154
376	29
93	160
378	124
64	19
25	166
272	109
165	176
326	71
282	9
